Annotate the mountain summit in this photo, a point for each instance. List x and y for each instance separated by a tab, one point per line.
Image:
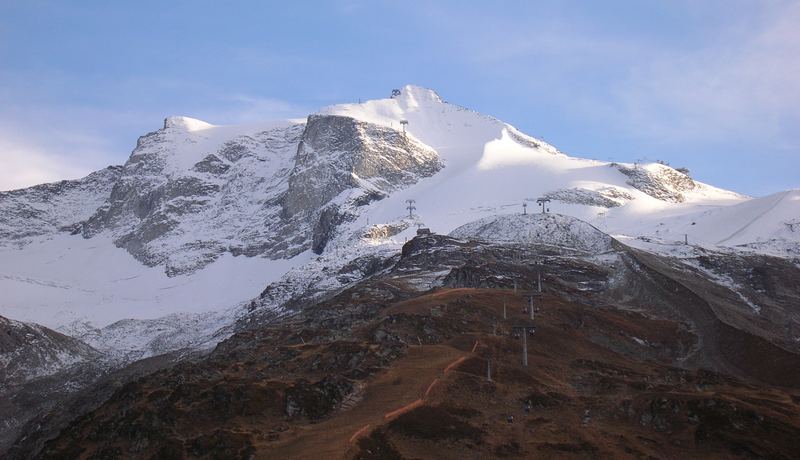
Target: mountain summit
302	275
194	200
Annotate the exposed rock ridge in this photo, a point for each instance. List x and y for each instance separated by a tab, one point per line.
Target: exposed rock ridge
659	181
226	200
607	197
343	164
274	193
49	208
338	153
29	351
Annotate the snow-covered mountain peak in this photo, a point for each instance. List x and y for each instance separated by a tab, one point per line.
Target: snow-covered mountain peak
459	135
207	230
186	123
412	96
212	214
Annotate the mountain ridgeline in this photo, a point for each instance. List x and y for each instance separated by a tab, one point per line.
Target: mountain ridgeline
290	175
358	283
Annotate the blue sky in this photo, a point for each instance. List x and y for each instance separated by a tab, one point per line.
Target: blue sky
709	85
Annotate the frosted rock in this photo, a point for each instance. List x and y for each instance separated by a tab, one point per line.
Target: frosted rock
548	229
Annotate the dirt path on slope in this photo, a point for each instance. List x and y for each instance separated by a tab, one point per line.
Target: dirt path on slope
389	393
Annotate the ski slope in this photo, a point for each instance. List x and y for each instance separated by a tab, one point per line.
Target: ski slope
492	168
769	225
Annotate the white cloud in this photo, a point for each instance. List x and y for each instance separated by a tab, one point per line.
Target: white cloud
746	87
24	165
737	77
242	108
44	144
49	144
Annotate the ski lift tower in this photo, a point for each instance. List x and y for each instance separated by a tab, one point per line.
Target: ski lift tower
537	266
404	123
542	202
411	208
524	207
525	330
531	304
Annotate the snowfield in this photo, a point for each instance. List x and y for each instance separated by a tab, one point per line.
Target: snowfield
68	278
203	218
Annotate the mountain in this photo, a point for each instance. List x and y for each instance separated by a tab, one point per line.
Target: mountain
28	351
30	355
629	354
34	213
201	217
210	236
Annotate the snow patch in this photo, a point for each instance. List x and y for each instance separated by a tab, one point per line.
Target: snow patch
186	123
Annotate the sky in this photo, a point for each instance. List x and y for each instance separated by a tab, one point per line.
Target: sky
712	86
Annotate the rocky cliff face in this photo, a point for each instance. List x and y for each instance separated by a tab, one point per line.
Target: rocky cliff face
277	192
339	153
49	208
342	164
169	210
659	181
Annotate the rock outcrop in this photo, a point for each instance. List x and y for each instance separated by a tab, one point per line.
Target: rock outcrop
659	181
606	197
29	351
339	153
274	193
47	209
